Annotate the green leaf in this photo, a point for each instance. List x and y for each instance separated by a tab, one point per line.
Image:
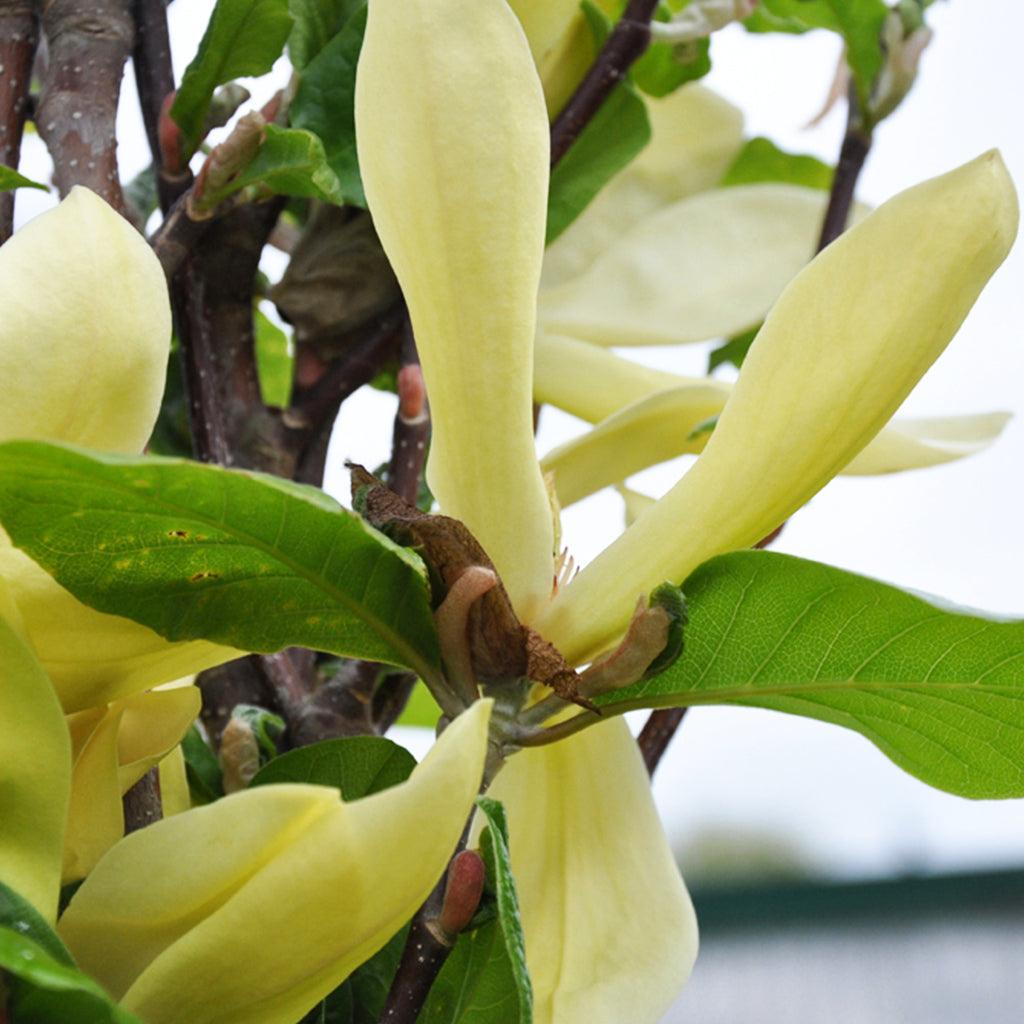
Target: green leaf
205	778
244	37
198	552
290	162
18	915
316	24
761	160
664	67
614	136
11	179
734	350
274	361
357	765
47	990
265	726
485	980
859	22
940	692
325	103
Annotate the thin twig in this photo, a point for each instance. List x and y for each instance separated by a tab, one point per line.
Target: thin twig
142	805
88	44
854	151
657	733
19	36
624	46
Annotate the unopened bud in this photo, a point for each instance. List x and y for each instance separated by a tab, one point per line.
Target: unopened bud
463	890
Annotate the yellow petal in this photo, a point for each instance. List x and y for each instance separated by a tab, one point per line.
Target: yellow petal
175	796
678	421
95	815
453	146
561	43
643	434
94	658
592	383
706	267
928	441
85	310
166	919
842	348
35	773
610	932
695	136
113	747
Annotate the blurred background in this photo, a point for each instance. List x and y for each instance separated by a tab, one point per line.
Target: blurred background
829	884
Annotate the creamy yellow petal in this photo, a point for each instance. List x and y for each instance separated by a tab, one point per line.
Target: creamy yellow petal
610	932
85	310
706	267
91	657
152	725
592	383
929	441
95	815
842	348
453	147
643	434
169	919
561	43
35	773
635	503
175	796
678	421
695	136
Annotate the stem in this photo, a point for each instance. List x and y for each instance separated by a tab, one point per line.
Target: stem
854	151
142	804
19	36
623	47
657	733
88	44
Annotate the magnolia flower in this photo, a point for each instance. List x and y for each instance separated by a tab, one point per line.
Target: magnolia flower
87	366
662	256
452	137
161	922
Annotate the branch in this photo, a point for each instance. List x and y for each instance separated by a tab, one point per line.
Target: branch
433	933
19	36
623	47
142	805
88	46
656	735
854	151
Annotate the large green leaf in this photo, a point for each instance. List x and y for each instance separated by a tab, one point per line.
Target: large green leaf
244	37
11	179
45	989
941	692
357	765
195	551
325	103
614	136
485	980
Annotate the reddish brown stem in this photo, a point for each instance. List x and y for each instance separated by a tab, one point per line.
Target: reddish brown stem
19	36
88	45
624	46
657	733
142	804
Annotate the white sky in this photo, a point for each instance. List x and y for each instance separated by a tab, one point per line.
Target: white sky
952	530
